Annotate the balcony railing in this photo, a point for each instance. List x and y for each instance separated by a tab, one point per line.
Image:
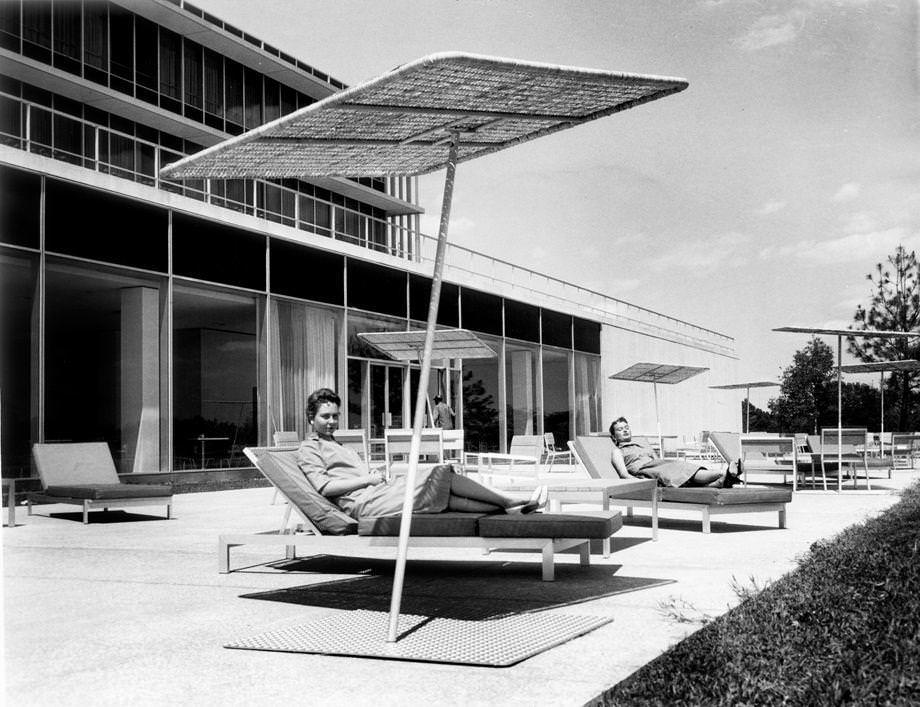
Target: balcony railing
61	136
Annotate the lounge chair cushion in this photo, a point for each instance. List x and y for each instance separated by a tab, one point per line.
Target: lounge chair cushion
598	525
282	470
424	525
99	492
717	497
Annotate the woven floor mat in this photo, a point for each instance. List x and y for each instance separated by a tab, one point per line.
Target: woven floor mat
499	642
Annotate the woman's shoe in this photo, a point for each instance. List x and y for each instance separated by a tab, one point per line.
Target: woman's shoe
540	496
523	508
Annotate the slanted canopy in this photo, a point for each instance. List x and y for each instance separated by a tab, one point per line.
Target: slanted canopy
880	367
421	117
447	343
840	333
656	373
400	122
747	396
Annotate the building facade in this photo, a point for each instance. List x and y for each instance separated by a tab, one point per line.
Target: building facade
182	321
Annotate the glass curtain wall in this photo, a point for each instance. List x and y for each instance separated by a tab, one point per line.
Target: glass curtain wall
102	361
18	360
522	363
215	376
482	400
557	404
304	346
587	394
375	385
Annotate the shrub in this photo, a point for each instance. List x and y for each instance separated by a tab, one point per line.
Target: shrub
842	628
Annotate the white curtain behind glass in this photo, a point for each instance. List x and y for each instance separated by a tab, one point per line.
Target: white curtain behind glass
587	409
303	359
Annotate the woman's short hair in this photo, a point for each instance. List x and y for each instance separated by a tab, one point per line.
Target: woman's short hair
319	397
614	423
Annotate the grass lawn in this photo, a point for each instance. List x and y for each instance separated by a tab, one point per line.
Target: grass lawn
842	628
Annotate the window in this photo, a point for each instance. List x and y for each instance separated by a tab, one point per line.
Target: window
210	251
521	364
36	30
10	25
95	43
234	73
67	31
253	92
170	64
481	311
522	321
18	315
214	89
20	207
102	361
556	387
557	329
272	100
215	376
587	394
121	45
194	73
481	397
307	273
587	335
376	288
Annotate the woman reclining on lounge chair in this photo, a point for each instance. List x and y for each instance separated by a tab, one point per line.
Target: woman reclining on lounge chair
633	458
339	474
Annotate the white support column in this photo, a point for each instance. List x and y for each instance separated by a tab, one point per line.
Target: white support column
140	382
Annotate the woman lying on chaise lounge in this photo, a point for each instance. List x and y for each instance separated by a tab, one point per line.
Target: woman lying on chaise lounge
338	473
633	458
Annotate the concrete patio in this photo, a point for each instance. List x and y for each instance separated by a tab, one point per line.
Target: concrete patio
131	608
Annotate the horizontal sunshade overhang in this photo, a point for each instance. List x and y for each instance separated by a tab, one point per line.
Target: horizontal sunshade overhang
907	364
401	123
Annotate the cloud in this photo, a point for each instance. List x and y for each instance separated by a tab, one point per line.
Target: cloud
772	30
771	207
847	192
854	247
704	255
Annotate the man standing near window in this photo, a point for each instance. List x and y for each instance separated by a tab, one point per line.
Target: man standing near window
443	415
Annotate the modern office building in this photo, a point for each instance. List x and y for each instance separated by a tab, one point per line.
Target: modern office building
181	321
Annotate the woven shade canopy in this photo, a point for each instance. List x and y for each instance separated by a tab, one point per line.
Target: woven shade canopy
747	388
843	332
657	373
400	122
423	116
740	386
447	343
907	364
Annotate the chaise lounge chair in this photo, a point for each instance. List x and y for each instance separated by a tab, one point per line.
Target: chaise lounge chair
83	474
325	528
594	454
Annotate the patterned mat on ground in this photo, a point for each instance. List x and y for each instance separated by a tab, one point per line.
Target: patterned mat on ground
499	642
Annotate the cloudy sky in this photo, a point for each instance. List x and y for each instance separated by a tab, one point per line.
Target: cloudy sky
761	196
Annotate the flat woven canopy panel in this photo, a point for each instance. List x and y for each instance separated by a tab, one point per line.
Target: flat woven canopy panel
657	373
400	123
745	386
497	642
907	364
448	343
844	332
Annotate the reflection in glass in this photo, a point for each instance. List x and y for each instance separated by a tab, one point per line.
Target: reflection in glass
556	402
481	400
215	364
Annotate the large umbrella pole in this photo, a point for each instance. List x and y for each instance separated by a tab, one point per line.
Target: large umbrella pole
658	422
839	415
881	435
422	394
747	410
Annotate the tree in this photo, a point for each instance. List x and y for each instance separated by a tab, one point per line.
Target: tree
894	306
806	394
